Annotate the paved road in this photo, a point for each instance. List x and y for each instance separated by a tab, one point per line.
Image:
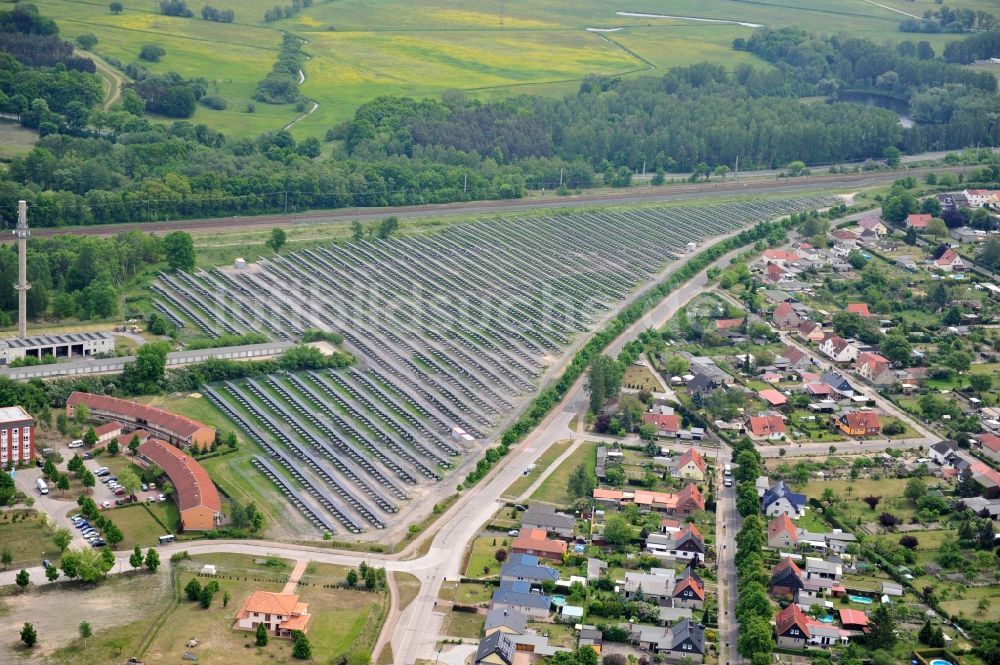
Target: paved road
727	524
624	197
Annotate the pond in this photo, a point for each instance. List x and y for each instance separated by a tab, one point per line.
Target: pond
898	106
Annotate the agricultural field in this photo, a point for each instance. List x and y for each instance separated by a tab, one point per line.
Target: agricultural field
382	435
358	50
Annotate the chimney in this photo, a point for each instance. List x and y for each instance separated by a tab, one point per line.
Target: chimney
21	233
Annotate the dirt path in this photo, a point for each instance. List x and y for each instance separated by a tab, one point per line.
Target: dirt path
293	580
114	81
391	619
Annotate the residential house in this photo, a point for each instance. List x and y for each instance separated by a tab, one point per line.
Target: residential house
727	324
511	622
794	358
656	586
978	198
689	591
668	525
859	423
983	506
280	613
791	628
987	479
517	596
779	500
537	542
108	431
990	445
810	331
824	569
786	577
918	222
702	383
777	275
782	533
765	428
705	365
686	544
690	465
874	367
686	501
542	516
873	224
780	256
950	261
944	453
525	568
685	639
666	424
785	317
839	385
838	349
497	648
854	620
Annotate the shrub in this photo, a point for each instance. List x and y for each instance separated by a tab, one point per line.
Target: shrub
214	102
152	52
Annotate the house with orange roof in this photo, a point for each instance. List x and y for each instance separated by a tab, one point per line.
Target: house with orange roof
665	424
689	591
728	324
874	367
775	274
690	465
684	502
765	428
978	198
918	221
853	620
280	613
780	256
990	444
950	261
791	628
108	431
782	533
537	542
860	423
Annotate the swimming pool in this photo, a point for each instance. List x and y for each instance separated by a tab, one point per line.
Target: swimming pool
863	600
826	619
939	661
559	600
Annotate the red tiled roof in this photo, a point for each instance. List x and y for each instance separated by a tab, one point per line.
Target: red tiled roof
844	234
780	255
766	425
107	428
786	562
667	423
691	455
783	310
190	480
918	221
774	272
613	495
949	257
819	389
538	541
689	582
853	617
861	420
266	602
773	397
792	616
985	471
783	523
794	354
184	427
990	441
858	308
728	324
689	493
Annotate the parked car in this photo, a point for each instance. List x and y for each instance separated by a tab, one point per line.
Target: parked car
46	563
162	498
145	487
76	443
513	532
82	524
119	491
39	462
105	504
88	455
98	543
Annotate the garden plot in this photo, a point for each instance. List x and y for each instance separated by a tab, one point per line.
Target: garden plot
452	330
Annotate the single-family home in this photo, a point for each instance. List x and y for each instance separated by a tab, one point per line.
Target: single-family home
776	274
545	517
765	428
793	358
990	445
918	221
824	569
665	424
839	384
859	423
519	597
785	317
686	544
838	349
780	256
690	465
689	591
944	453
497	648
977	198
779	500
656	586
774	398
987	478
280	613
873	224
811	332
791	628
786	577
525	568
537	542
950	261
507	621
782	533
684	502
687	641
874	367
701	384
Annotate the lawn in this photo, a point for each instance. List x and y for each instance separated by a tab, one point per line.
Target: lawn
142	524
554	489
481	560
463	624
466	593
559	634
519	486
29	539
850	493
15	139
970	599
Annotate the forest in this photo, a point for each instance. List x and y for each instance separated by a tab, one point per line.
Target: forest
95	167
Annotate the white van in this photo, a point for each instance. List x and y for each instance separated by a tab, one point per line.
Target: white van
42	487
728	471
169	538
76	443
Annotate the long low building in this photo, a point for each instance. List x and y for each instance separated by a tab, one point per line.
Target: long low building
176	429
197	498
70	345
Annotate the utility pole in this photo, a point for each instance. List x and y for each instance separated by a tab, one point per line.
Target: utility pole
737	168
22	233
286	202
465	184
561	177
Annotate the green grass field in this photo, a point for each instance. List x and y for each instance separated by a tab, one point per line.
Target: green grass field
519	486
29	540
482	562
360	49
139	523
554	489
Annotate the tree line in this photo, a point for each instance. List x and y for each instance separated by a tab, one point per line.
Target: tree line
281	85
